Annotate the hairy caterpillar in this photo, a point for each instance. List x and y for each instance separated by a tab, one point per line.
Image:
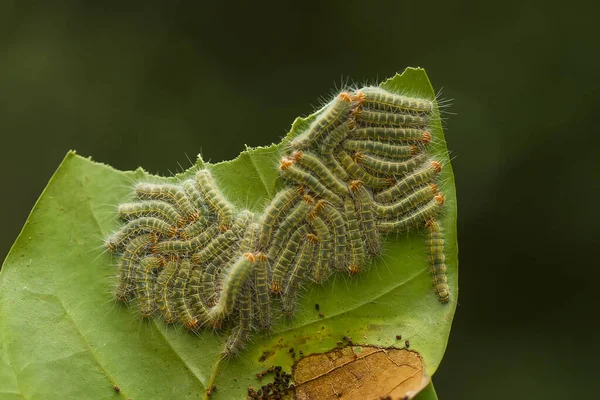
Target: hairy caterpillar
215	199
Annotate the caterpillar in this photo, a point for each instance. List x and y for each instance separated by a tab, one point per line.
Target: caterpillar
298	273
377	98
420	136
387	167
140	225
145	282
163	295
356	255
215	199
361	169
133	251
152	208
366	217
437	260
338	223
334	115
390	119
381	148
321	270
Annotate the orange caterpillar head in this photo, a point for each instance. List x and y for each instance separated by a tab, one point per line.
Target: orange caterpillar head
296	155
313	214
434	188
112	247
224	227
354	185
173	257
285	163
194	217
250	257
440	199
173	231
320	205
311	237
359	97
426	137
192	324
414	150
308	199
345	96
437	167
275	287
358	157
260	256
390	181
353	269
430	223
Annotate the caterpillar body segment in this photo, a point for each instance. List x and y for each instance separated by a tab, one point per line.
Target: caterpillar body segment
336	168
391	119
365	209
298	274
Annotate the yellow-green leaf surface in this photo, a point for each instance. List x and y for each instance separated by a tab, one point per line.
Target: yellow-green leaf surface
62	335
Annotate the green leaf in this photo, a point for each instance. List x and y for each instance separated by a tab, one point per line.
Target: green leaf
62	335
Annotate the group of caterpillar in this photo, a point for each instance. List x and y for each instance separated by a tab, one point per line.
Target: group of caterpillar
361	169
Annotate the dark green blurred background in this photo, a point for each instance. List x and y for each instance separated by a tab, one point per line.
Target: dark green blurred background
112	81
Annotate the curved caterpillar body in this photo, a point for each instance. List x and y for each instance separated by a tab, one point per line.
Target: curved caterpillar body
363	168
